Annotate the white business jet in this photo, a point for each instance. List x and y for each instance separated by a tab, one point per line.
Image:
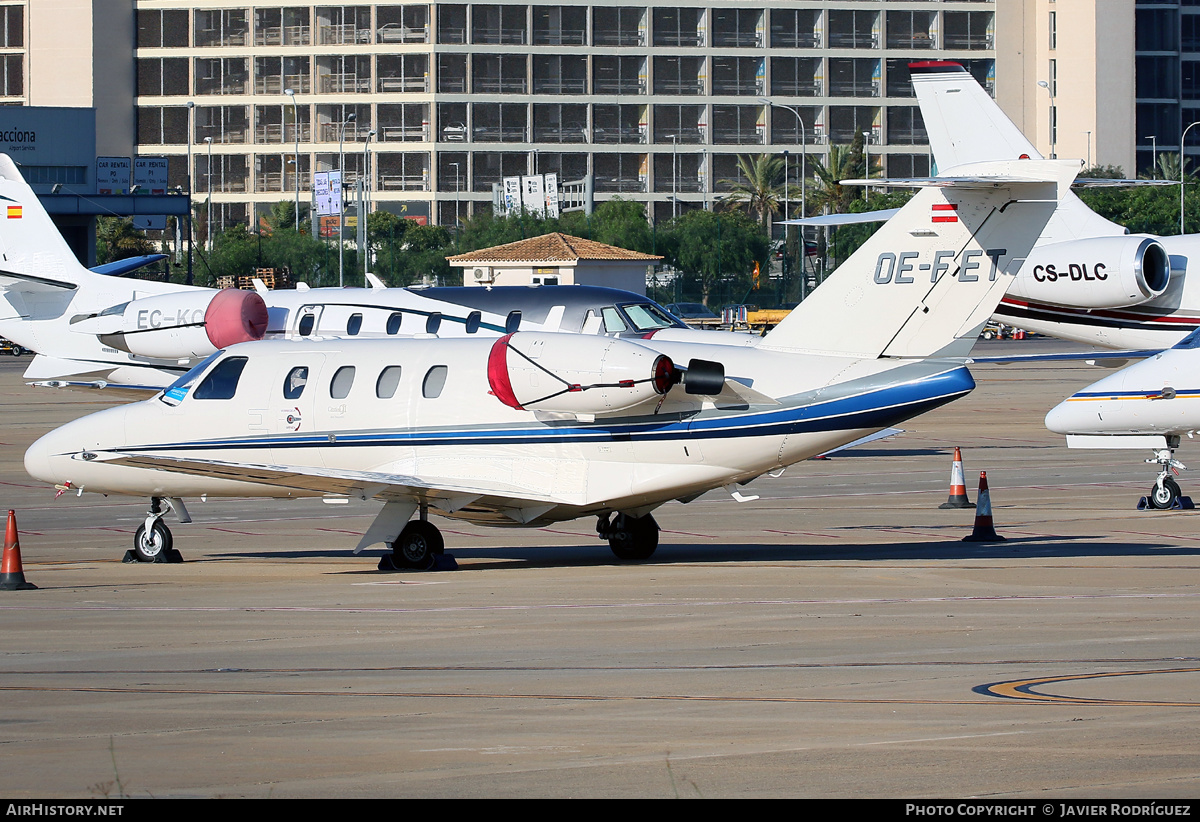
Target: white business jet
1088	279
532	428
1150	404
91	329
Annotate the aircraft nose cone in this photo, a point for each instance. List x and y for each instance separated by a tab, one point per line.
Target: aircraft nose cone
1068	417
37	459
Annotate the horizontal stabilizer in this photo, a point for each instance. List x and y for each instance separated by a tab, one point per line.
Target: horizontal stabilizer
118	268
926	282
880	216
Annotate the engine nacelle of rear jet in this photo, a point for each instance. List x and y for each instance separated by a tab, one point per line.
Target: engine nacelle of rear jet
1098	272
185	325
576	374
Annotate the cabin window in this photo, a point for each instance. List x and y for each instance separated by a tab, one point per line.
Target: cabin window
435	381
394	322
222	382
339	387
354	325
433	322
473	321
385	386
513	322
306	324
294	382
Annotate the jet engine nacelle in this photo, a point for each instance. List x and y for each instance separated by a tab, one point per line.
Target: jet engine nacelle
188	324
576	374
1099	272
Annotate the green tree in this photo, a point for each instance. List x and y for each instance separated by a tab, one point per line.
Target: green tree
759	185
117	239
717	251
827	194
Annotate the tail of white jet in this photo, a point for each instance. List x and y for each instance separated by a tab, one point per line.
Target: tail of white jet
532	428
1087	279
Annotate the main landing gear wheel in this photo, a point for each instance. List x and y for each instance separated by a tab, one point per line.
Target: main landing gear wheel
418	546
630	538
1165	494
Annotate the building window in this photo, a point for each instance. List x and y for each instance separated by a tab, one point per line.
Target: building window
162	76
221	27
162	125
12	75
12	27
162	29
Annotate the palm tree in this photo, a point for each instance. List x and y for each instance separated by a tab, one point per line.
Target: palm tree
828	192
758	186
116	239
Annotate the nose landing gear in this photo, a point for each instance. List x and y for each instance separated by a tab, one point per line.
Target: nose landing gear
1165	493
153	542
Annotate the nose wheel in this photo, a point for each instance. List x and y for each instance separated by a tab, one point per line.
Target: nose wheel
1165	492
152	542
630	538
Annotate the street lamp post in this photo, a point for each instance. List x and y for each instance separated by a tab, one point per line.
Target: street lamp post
208	226
866	165
366	204
803	152
296	127
1089	149
191	106
1154	156
1053	117
456	190
1182	140
341	238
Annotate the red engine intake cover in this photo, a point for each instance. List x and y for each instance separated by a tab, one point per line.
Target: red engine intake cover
235	316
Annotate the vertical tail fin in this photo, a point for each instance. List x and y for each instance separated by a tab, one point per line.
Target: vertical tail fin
926	282
31	246
965	125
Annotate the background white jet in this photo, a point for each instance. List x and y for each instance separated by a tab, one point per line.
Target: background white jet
1088	279
101	331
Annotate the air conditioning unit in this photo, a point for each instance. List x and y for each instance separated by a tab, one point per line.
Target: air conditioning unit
482	275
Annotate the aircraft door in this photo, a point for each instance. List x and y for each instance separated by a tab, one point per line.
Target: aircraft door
307	320
292	412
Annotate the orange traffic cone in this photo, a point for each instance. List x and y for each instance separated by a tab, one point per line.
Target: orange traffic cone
958	485
12	578
984	530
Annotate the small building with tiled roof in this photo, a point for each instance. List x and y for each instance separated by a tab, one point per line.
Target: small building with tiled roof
556	259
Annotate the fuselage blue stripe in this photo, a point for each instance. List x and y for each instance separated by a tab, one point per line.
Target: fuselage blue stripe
876	408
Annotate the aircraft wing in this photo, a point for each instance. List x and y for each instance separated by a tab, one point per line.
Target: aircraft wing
1105	359
343	482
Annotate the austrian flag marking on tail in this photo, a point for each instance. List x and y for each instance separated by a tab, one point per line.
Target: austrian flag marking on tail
944	213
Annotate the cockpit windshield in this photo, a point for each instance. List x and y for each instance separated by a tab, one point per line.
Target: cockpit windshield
648	316
176	391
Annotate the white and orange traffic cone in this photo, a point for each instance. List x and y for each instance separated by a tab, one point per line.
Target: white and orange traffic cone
985	530
12	578
958	485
